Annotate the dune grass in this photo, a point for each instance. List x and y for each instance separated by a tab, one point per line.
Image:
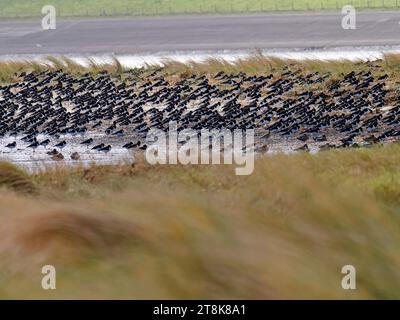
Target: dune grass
138	231
258	64
10	70
32	8
255	64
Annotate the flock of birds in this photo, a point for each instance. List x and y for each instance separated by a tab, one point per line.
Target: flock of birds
45	109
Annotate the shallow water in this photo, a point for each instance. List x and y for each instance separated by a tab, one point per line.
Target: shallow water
33	160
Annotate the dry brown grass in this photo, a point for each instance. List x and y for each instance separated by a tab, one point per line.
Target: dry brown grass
10	70
260	64
202	232
14	178
257	64
60	234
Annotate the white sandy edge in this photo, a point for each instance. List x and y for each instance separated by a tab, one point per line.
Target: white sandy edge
140	60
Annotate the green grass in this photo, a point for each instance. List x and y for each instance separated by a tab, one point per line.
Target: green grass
137	231
32	8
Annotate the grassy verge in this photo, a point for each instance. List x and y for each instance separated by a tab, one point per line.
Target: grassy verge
32	8
136	231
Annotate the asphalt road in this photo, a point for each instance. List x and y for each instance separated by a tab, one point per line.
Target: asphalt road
187	33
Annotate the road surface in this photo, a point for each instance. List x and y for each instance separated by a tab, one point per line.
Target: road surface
198	33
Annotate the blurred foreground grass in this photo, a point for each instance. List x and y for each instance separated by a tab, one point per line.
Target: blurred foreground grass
138	231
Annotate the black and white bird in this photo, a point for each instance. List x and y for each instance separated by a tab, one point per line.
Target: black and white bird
11	145
61	145
105	149
44	143
87	142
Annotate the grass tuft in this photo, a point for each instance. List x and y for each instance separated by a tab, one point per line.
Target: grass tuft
64	235
16	179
